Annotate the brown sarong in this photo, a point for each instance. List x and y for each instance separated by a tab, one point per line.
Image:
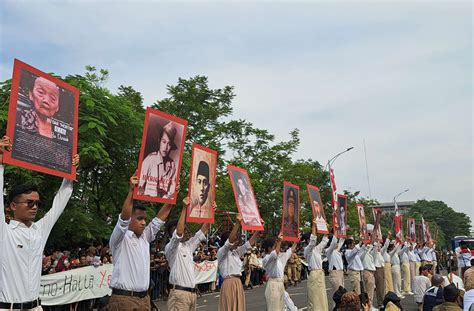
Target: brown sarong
232	296
118	302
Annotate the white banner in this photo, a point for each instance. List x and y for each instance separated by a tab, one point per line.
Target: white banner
75	285
205	272
93	282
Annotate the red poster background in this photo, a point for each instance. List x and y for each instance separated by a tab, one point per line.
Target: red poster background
340	234
309	188
287	185
364	234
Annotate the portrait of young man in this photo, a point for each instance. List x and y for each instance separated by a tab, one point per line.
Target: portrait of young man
290	211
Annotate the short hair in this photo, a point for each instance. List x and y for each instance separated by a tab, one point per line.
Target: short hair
350	301
224	237
203	169
20	189
349	242
138	206
437	280
450	293
268	243
170	226
422	268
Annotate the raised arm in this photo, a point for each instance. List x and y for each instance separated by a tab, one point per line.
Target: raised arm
233	236
205	226
5	144
278	243
180	227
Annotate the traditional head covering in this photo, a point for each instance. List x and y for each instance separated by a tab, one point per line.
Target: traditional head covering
203	169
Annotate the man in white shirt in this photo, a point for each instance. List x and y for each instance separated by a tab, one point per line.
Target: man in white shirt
368	275
274	264
354	267
405	269
421	283
23	240
179	253
453	278
379	272
317	296
336	265
387	269
463	253
230	267
412	262
130	246
396	273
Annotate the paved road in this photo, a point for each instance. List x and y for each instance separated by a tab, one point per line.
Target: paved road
255	299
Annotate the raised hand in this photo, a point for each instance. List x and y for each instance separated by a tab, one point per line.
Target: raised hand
75	160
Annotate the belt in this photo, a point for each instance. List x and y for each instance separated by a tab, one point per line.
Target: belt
187	289
20	305
123	292
233	276
276	279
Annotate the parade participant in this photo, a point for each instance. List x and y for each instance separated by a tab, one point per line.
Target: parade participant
387	269
396	273
368	275
354	267
336	266
421	283
405	269
379	273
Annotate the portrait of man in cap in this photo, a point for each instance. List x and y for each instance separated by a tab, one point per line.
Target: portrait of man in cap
318	209
290	226
158	171
200	206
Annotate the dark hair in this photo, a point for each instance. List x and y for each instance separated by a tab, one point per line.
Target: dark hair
472	261
349	242
170	226
21	189
224	237
138	206
422	268
291	192
203	169
268	243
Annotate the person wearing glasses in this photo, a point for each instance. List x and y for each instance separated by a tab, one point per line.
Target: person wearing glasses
23	239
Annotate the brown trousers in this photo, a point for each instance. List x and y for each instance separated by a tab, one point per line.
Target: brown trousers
369	283
181	300
232	296
380	285
118	303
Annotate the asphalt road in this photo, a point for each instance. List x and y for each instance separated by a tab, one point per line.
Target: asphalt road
255	299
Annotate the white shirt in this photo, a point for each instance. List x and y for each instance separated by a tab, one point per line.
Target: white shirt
368	258
180	259
411	254
334	255
132	255
312	252
386	256
432	253
403	254
456	280
353	258
394	259
22	248
379	260
228	260
464	259
468	299
424	254
420	284
274	264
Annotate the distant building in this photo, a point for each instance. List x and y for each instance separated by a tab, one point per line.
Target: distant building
389	208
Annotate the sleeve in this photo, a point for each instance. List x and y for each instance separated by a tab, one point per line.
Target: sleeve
241	250
322	244
341	243
312	244
59	204
269	259
152	229
193	242
3	224
117	235
385	246
285	256
172	246
350	253
222	252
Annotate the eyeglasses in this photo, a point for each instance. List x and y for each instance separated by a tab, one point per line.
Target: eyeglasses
31	203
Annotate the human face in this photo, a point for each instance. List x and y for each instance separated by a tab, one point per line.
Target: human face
21	210
45	97
202	184
291	210
240	184
165	145
83	260
138	222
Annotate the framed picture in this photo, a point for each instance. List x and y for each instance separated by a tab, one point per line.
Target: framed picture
411	225
290	220
377	212
341	216
42	122
161	154
245	198
364	234
202	184
398	228
318	209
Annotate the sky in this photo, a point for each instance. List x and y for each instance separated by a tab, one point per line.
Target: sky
395	74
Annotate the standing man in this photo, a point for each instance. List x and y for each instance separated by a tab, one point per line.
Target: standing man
354	267
317	296
387	269
379	272
130	246
179	252
396	273
336	265
421	283
23	240
368	274
274	264
405	269
230	267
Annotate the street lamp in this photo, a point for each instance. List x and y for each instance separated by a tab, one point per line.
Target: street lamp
333	159
396	197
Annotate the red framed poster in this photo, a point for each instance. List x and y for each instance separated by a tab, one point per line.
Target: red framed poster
42	122
318	209
202	184
364	234
161	154
290	215
377	212
340	216
411	228
398	228
245	198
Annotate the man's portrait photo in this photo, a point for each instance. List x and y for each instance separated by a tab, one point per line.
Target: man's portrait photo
291	211
364	234
341	216
160	157
412	229
318	209
43	121
245	198
202	182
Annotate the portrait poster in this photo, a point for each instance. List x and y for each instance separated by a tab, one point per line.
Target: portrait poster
427	232
318	209
290	220
42	122
398	228
377	212
202	184
364	234
341	216
161	154
245	199
411	229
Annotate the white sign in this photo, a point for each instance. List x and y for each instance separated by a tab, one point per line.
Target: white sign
205	271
